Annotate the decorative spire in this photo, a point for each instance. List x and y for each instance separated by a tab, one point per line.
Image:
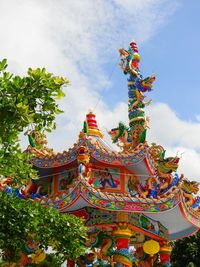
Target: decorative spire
92	125
128	138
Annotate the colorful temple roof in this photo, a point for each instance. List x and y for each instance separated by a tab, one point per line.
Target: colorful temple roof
132	197
137	185
91	155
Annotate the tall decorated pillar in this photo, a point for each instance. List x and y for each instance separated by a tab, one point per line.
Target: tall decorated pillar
122	235
165	251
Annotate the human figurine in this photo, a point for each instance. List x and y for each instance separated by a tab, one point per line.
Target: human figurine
106	178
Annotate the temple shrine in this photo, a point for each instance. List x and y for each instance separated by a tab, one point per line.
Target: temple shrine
133	201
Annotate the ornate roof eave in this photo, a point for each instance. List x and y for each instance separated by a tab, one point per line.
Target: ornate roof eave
59	159
82	190
114	158
181	221
190	214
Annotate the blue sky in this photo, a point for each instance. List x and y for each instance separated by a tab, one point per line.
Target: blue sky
173	54
80	40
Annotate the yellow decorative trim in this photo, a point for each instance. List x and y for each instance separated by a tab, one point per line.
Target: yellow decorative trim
166	248
95	132
137	119
122	230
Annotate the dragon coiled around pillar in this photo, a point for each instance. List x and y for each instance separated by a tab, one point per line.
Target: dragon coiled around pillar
136	132
108	252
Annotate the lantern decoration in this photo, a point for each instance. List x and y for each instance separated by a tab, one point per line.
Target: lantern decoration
38	256
151	247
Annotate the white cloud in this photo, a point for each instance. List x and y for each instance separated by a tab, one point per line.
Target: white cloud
76	39
170	130
177	136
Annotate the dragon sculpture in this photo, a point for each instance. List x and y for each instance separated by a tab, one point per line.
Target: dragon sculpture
142	259
37	144
166	166
108	252
190	190
131	136
122	137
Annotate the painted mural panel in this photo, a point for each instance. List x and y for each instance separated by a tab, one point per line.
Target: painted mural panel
106	178
65	178
41	187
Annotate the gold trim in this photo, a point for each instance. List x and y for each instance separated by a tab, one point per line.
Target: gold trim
122	230
137	119
95	132
166	248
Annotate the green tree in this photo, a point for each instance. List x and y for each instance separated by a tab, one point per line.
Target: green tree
26	220
186	252
25	103
30	103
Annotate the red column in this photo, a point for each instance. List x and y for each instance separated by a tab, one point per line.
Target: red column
165	251
122	236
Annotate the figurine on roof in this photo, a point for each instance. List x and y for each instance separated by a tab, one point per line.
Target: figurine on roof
38	144
190	190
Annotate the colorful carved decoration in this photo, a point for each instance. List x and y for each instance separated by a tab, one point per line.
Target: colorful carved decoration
138	123
151	189
92	125
142	259
83	160
5	182
165	251
165	166
37	141
190	189
31	254
83	155
106	244
86	259
113	248
116	193
133	185
122	235
122	137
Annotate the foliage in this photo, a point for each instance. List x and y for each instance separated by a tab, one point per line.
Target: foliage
186	252
51	260
26	220
30	103
25	102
